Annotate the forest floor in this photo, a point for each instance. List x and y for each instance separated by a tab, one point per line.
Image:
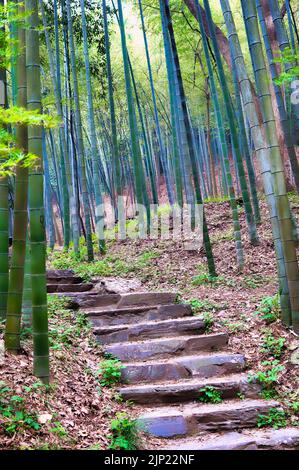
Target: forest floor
75	411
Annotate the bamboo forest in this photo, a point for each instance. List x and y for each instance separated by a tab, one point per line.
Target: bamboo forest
149	178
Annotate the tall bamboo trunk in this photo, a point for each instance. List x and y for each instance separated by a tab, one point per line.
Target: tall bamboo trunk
114	140
79	134
165	11
16	276
140	183
219	120
277	171
65	164
262	151
36	201
99	210
234	134
286	123
4	209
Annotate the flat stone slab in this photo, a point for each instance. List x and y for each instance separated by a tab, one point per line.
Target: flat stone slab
278	439
194	418
133	315
118	285
85	300
66	288
165	347
146	298
183	367
187	390
151	329
58	273
62	276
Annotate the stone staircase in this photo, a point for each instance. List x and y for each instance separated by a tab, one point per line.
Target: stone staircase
169	361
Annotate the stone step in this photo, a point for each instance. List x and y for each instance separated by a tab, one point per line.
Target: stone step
63	276
146	298
150	329
277	439
188	390
66	288
165	347
90	299
193	418
94	299
208	365
133	315
57	273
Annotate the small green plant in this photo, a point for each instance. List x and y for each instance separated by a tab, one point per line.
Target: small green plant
58	429
273	346
269	309
210	394
234	327
223	236
14	417
124	433
110	372
276	418
199	306
295	406
208	321
268	378
36	386
254	281
145	258
241	396
67	333
57	305
203	279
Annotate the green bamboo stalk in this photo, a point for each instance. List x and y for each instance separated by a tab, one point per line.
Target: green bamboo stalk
4	211
140	184
67	184
27	291
219	120
262	151
234	134
286	122
284	45
36	201
245	148
99	211
16	276
156	116
165	11
277	170
115	147
80	145
4	227
177	133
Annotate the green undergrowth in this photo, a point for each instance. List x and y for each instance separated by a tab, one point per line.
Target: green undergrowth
217	199
65	326
226	235
272	346
200	306
210	394
268	378
14	415
124	433
269	309
108	265
110	372
276	418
